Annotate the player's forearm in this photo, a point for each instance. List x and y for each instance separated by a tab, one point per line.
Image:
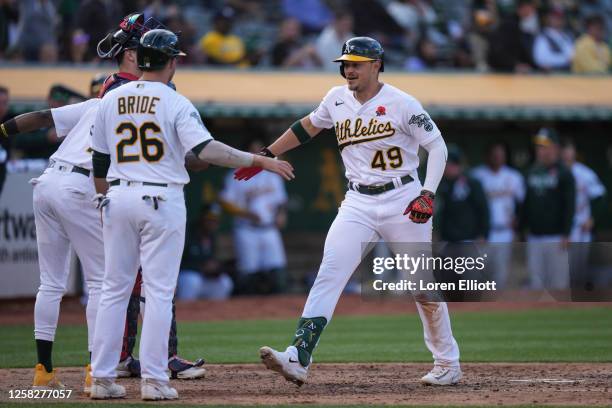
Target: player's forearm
220	154
101	185
193	163
27	122
436	162
299	133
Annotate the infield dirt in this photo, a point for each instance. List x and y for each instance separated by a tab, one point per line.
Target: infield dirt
483	384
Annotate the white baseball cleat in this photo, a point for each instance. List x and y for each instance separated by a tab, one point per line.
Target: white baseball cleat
285	363
153	390
104	388
441	375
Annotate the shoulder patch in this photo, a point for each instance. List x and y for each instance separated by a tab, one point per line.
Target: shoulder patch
421	120
197	117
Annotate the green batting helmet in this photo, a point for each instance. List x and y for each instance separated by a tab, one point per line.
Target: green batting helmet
361	49
156	48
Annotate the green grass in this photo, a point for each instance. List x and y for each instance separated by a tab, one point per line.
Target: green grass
526	336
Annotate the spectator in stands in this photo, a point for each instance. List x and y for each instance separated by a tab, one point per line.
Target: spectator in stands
332	38
592	54
427	56
9	16
176	22
220	46
372	19
314	15
602	8
202	276
79	41
463	211
4	142
511	45
553	49
259	209
590	193
412	15
36	40
484	18
548	214
290	51
95	18
505	191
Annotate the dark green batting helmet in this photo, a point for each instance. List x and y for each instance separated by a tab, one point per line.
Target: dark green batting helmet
156	48
361	49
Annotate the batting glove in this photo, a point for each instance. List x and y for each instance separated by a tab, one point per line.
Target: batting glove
101	201
421	208
246	173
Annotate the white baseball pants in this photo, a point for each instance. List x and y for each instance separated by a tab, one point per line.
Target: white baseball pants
65	215
258	249
135	233
364	219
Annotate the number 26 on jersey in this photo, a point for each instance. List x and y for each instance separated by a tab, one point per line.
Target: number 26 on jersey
151	148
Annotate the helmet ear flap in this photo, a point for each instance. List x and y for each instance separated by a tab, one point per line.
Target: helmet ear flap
342	70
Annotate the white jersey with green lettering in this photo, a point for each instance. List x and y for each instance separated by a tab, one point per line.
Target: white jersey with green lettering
378	140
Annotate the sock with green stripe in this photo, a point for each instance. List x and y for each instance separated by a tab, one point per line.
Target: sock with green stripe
307	337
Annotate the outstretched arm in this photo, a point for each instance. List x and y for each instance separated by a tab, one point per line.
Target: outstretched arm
299	133
215	152
27	122
302	131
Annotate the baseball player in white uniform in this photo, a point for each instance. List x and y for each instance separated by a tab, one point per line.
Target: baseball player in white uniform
258	243
379	129
65	214
505	190
141	135
588	189
65	218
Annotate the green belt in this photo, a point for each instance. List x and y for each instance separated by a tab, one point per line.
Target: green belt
144	183
375	190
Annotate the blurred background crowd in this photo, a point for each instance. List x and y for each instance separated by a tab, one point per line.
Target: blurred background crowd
504	182
418	35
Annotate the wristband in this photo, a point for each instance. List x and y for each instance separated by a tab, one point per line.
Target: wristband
9	128
428	193
267	153
300	132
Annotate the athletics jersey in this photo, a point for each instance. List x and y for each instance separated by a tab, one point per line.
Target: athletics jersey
262	195
380	139
504	189
75	123
147	128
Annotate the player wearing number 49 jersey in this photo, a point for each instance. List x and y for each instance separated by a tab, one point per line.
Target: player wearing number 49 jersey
379	130
141	135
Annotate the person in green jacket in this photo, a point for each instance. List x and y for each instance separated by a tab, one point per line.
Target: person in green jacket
548	213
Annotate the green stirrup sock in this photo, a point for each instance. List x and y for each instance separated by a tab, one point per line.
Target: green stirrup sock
307	336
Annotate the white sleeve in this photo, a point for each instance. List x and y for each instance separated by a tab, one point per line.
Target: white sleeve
519	187
320	117
98	137
594	186
281	193
229	192
66	117
418	124
189	126
436	162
